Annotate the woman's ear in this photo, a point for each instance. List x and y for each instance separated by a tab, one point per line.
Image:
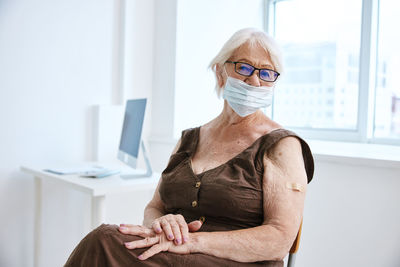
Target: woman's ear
220	77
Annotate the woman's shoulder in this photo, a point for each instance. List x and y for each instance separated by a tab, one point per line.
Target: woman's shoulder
189	139
188	131
277	138
271	131
286	145
265	125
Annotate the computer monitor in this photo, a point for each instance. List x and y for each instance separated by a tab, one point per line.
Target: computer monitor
131	142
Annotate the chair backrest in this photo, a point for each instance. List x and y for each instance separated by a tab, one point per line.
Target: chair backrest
294	248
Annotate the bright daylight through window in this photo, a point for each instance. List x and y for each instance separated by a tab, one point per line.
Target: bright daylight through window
319	88
387	94
323	87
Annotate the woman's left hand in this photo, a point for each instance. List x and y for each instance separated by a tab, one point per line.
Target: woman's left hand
156	242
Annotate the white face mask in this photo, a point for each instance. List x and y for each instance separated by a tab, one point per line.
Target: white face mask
246	99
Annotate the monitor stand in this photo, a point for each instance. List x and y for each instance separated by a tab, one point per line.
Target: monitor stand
149	170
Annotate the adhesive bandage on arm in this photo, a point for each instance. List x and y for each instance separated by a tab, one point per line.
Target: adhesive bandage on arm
295	186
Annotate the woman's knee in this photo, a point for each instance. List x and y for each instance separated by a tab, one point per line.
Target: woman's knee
92	244
101	232
105	229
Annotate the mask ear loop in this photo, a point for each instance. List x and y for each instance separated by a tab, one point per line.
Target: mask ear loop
227	76
226	80
226	73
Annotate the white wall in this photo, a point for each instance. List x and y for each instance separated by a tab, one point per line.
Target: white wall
138	56
351	216
163	101
56	62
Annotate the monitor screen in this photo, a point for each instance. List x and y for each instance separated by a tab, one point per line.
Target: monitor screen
132	131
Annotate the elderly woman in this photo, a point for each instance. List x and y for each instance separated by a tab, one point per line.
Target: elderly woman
233	191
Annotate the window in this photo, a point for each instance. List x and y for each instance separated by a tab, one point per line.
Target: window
387	78
321	52
340	79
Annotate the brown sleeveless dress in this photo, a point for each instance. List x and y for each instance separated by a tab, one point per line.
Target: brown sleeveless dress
227	197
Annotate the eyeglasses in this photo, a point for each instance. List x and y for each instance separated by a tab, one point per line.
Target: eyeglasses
247	70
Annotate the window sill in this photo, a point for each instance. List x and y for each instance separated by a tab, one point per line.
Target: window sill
356	153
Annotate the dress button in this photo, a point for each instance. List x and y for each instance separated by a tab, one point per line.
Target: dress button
194	203
198	184
202	219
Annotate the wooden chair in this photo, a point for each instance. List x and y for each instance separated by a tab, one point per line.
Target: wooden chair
294	248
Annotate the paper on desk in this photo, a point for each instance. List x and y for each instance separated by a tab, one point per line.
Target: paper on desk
77	170
100	174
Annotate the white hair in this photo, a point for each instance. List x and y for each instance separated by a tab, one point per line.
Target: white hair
252	36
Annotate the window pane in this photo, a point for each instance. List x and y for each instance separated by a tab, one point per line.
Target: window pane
320	42
387	105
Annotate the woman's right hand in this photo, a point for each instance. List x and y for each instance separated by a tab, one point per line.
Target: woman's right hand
175	227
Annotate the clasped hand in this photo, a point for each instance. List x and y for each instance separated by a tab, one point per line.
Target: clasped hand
165	235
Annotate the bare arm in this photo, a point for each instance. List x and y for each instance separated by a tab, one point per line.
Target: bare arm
283	209
155	208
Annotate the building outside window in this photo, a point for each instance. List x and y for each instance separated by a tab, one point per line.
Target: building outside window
321	88
387	87
321	59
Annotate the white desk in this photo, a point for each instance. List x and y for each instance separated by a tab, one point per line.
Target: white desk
96	188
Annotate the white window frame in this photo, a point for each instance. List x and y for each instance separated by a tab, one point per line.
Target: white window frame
367	73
